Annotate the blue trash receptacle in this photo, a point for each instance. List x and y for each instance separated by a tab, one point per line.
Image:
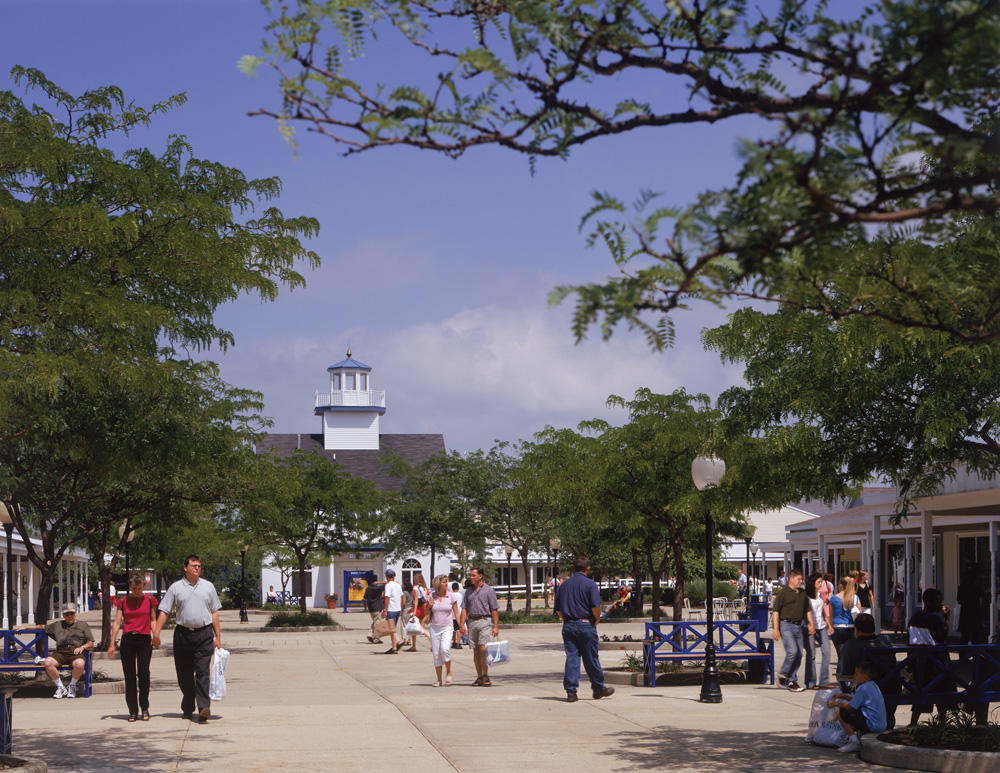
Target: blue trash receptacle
757	669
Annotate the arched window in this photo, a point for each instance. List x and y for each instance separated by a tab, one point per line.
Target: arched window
411	567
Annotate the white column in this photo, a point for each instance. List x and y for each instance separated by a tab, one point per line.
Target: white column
909	576
926	546
86	585
876	573
30	601
836	566
6	593
863	556
994	558
821	549
18	599
784	562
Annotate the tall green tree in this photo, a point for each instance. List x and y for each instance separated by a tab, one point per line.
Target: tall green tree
113	264
309	506
431	510
873	121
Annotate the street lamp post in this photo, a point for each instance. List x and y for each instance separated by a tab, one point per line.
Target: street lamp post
128	541
706	472
554	544
508	549
243	584
753	549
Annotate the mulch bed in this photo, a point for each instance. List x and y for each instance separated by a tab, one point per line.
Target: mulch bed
903	738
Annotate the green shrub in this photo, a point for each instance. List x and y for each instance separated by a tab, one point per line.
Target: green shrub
695	591
956	730
517	617
299	620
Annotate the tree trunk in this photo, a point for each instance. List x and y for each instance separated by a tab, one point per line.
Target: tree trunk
433	556
46	582
527	582
680	573
655	590
545	587
302	582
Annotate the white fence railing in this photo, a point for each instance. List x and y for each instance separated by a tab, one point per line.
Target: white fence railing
371	397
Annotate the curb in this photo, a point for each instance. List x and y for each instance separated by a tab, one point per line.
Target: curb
688	679
23	764
896	755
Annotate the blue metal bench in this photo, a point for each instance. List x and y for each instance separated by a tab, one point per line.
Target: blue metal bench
19	649
924	675
681	640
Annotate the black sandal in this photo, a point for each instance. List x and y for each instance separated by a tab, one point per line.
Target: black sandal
145	715
132	717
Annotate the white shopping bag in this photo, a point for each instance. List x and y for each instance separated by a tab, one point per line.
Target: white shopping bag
497	652
413	627
821	716
217	677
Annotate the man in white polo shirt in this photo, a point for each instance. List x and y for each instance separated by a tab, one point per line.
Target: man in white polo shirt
393	598
197	606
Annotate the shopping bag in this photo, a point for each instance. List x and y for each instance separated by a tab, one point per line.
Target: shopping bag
497	652
413	627
217	677
830	734
820	714
384	627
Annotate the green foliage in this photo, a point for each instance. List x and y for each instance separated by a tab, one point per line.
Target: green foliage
519	617
113	265
307	505
300	620
695	591
956	730
871	119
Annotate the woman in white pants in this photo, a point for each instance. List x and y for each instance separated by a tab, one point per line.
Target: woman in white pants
438	614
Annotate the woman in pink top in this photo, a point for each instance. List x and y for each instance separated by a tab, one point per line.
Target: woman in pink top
137	610
439	613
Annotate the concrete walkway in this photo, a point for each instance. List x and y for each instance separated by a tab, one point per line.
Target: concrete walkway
332	701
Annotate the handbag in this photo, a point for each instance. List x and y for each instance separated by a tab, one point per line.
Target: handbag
384	627
497	652
217	676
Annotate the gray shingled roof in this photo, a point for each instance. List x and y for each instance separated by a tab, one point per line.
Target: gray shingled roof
362	464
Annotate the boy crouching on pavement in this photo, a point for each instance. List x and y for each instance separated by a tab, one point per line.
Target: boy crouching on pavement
864	712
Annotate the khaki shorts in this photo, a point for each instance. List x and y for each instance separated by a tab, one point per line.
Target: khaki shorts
480	631
65	657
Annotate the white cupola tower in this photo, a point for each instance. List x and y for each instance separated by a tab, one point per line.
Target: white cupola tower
351	410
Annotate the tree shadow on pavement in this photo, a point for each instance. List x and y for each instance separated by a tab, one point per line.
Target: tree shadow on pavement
723	749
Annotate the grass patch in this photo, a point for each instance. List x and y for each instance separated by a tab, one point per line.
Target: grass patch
518	617
632	661
299	620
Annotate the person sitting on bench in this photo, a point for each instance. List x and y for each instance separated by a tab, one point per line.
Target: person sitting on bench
73	639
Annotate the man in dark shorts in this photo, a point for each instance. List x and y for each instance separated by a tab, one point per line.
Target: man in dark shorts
73	639
374	604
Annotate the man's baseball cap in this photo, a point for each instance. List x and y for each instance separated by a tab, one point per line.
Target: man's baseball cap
390	573
69	608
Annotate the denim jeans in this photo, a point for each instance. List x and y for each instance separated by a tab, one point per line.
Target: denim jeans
822	640
791	640
580	640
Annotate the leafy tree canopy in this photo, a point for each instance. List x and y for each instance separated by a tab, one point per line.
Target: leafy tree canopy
110	257
877	128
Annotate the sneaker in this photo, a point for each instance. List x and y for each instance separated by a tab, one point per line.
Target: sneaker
853	744
61	691
571	697
782	680
39	660
795	687
456	646
371	639
71	691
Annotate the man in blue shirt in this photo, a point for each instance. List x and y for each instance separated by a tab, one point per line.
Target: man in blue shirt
578	604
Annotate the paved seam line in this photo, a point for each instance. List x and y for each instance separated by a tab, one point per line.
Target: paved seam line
381	695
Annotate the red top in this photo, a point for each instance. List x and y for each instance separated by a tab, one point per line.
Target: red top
136	612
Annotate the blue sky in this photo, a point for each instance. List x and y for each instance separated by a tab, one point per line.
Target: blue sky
435	271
